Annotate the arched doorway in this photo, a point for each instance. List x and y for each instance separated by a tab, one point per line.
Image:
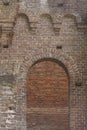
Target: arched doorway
47	96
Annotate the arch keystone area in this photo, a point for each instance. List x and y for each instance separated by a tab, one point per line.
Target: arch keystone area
68	62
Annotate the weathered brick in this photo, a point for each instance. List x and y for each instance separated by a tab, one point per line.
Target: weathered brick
43	51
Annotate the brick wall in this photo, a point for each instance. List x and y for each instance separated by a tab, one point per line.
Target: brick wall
29	32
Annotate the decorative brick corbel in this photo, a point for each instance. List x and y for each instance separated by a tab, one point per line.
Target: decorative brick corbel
6	37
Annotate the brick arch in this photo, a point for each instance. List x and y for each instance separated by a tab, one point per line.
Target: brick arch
52	60
46	15
24	16
46	24
75	16
67	62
